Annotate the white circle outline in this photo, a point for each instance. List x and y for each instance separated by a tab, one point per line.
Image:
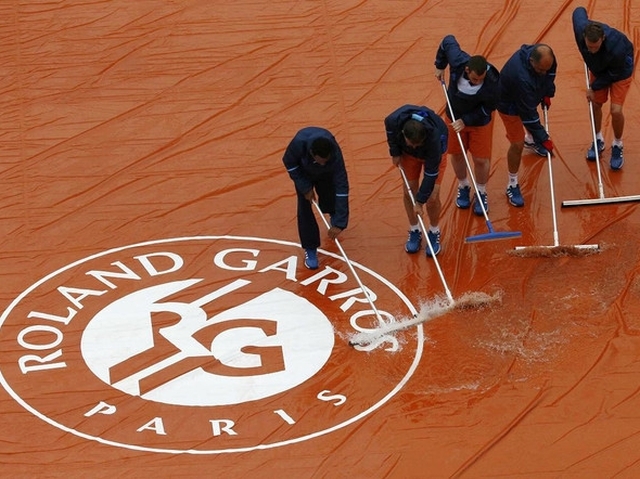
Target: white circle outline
390	394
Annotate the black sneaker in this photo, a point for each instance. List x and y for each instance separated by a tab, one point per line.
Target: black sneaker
537	148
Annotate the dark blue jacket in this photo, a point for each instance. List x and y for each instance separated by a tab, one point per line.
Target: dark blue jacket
613	61
431	150
522	90
473	110
304	171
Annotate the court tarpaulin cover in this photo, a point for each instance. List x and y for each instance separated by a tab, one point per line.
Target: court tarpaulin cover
157	319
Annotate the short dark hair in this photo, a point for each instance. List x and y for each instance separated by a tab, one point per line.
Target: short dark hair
414	131
593	32
322	147
477	64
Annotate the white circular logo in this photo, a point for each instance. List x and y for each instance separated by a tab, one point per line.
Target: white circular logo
204	345
235	356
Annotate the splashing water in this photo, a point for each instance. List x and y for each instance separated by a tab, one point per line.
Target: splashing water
428	311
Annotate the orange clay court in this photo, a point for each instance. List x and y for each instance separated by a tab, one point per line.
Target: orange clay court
157	320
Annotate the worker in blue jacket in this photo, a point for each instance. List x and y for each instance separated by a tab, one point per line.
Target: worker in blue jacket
417	140
473	95
315	163
527	80
608	54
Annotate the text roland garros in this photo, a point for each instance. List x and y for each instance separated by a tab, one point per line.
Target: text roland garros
204	345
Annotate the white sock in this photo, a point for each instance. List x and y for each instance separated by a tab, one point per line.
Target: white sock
528	138
482	189
434	229
463	183
617	142
415	227
513	179
599	136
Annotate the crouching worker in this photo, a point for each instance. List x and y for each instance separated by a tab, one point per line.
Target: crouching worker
314	162
417	139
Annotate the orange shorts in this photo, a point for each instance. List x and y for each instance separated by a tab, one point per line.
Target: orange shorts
412	167
476	139
514	128
618	91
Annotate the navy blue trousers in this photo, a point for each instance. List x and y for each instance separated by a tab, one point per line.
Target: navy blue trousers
307	224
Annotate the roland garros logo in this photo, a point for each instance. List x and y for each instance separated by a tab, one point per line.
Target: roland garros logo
203	345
